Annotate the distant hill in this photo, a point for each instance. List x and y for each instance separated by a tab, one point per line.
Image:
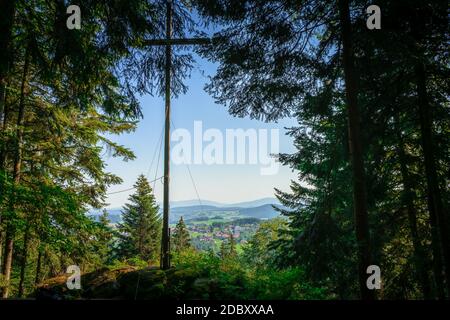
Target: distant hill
260	209
262	212
253	203
246	204
193	202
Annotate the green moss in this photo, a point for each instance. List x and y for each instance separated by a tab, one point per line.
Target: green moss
143	284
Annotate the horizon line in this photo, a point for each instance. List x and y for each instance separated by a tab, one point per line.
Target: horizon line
205	200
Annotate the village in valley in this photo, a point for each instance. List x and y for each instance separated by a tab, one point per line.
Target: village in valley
208	235
209	226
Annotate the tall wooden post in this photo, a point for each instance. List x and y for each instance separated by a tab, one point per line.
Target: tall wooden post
168	42
165	248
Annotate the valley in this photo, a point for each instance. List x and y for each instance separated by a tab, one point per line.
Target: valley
211	223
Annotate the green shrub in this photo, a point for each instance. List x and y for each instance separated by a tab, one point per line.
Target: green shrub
232	278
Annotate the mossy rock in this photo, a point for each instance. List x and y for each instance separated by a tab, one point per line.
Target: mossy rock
100	284
104	275
105	284
148	283
186	274
56	289
129	283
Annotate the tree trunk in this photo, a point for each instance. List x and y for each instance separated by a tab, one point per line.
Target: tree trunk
23	265
434	193
3	153
1	247
9	246
10	230
37	279
355	145
408	198
6	22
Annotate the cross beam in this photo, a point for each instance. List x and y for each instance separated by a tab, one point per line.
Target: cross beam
169	42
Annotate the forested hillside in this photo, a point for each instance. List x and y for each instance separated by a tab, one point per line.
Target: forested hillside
372	147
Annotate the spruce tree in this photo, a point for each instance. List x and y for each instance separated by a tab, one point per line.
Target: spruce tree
231	245
141	227
228	248
104	237
223	250
181	238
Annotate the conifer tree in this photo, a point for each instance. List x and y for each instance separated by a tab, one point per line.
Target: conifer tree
231	245
140	230
104	237
181	238
223	250
228	247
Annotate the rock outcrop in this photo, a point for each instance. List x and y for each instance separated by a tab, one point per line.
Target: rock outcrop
131	283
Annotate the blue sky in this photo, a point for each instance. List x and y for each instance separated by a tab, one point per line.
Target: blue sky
222	183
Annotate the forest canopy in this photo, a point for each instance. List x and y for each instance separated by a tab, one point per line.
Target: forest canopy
372	143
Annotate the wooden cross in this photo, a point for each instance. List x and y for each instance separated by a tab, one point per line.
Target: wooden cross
169	42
